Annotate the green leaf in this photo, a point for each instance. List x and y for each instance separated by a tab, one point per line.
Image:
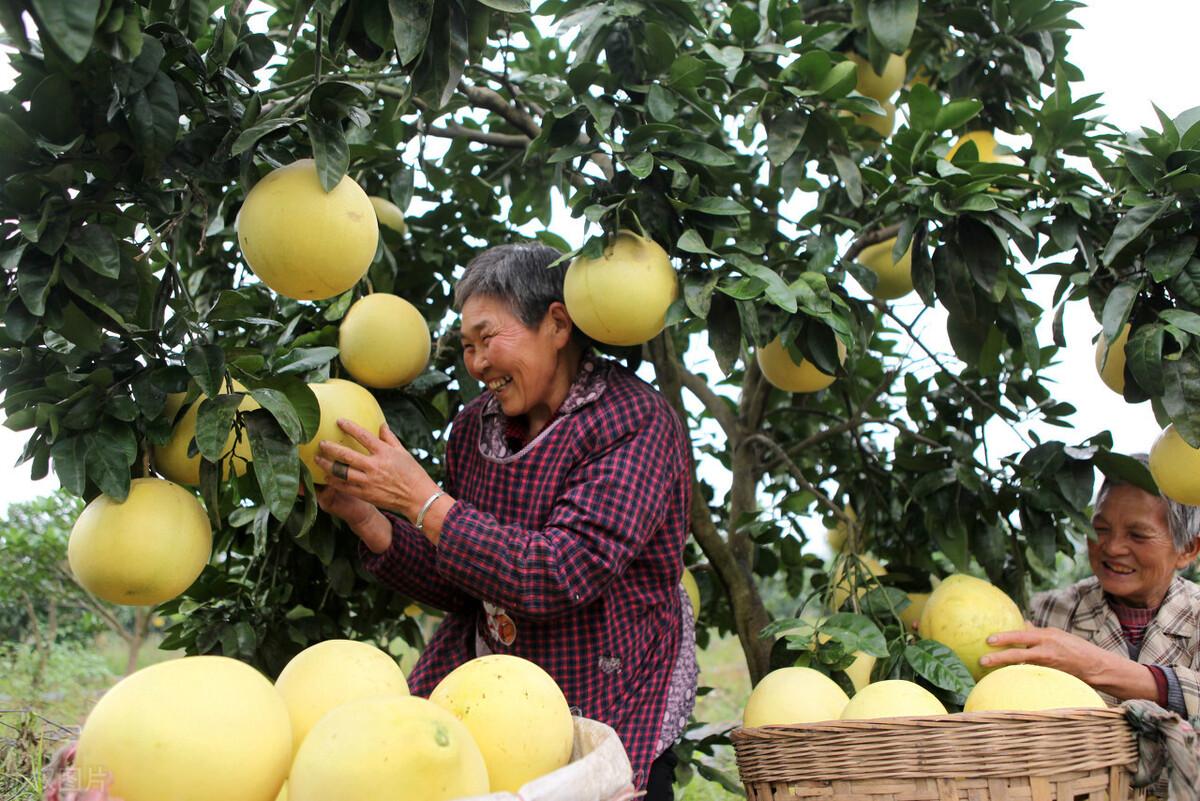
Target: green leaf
70	463
95	246
277	403
206	364
276	462
410	27
893	22
940	666
303	403
248	138
718	206
777	290
511	6
1183	320
923	107
1117	307
840	81
956	113
301	360
214	421
1167	259
70	23
848	171
330	150
1181	396
641	165
687	72
692	242
1120	467
111	452
698	292
1132	225
33	284
661	103
745	23
784	134
855	633
154	119
703	153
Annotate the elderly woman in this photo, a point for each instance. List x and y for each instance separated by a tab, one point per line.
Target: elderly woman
558	533
1132	630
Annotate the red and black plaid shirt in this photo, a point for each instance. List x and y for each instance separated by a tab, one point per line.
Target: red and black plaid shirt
577	540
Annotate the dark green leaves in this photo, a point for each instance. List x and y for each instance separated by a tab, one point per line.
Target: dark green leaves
206	364
893	22
956	114
70	23
940	666
410	27
856	633
96	247
248	138
214	420
1132	225
276	462
154	118
330	150
1117	307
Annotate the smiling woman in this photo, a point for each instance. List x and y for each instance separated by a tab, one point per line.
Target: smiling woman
558	535
1132	630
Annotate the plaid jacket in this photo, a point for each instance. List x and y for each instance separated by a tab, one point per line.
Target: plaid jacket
1171	639
567	553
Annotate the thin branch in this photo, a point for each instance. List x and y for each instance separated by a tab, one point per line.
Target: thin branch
455	131
870	238
485	98
799	477
908	328
715	404
856	419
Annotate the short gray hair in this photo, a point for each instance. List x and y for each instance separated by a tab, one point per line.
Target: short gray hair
520	275
1183	521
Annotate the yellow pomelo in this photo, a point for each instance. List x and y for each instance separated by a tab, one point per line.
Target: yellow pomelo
894	698
389	214
841	581
173	404
1112	371
384	341
339	399
391	748
837	536
144	550
880	87
282	793
303	242
911	614
794	695
171	459
1030	688
985	143
192	729
517	714
622	297
860	670
693	591
782	372
895	277
1175	466
332	673
962	612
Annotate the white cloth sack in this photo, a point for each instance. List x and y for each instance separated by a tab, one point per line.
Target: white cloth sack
599	770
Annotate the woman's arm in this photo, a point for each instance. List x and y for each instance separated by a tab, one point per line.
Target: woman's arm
1107	671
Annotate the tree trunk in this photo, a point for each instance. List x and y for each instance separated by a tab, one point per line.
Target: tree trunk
749	613
141	623
39	645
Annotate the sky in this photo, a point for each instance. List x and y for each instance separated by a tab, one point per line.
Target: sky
1135	54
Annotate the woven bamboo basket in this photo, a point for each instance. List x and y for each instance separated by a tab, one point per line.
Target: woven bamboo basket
1065	755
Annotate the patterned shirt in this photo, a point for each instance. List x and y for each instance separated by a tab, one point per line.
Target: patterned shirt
567	553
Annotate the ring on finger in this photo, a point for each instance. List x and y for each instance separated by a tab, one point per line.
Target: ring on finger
341	470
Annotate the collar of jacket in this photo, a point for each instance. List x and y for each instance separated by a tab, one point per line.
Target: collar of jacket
1175	617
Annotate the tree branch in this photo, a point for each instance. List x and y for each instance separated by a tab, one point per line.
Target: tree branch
800	479
870	238
485	98
455	131
713	402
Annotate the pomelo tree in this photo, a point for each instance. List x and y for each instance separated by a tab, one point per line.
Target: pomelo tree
734	135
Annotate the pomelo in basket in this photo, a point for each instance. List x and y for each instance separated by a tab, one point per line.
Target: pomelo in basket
794	695
1030	688
893	698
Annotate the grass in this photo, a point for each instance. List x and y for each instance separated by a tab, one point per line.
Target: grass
36	721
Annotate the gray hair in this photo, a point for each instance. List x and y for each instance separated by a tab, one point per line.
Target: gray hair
519	275
1183	521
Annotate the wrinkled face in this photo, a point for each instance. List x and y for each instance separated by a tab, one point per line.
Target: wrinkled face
517	364
1133	554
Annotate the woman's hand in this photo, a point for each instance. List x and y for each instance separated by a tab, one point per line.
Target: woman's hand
386	477
1104	670
1048	647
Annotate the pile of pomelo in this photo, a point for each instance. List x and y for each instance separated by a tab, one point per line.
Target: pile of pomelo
961	613
338	723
